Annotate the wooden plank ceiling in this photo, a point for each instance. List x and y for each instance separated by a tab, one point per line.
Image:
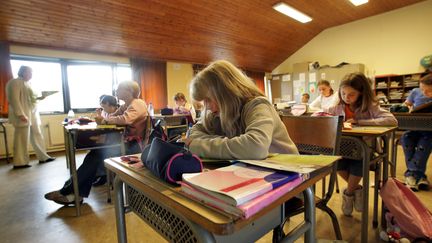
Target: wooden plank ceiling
247	32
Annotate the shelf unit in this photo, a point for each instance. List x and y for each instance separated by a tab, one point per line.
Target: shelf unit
396	88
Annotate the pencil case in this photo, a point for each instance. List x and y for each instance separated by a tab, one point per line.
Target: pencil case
169	161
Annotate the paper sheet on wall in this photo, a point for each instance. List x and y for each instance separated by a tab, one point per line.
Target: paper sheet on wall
275	78
298	86
323	76
312	77
286	77
302	76
286	97
312	88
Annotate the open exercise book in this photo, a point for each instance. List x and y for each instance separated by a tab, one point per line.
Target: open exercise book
243	189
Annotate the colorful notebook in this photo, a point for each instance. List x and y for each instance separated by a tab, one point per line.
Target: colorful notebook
247	209
238	183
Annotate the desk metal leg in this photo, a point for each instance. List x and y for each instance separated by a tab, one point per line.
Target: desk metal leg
119	210
365	214
67	147
393	145
310	214
73	172
388	142
308	226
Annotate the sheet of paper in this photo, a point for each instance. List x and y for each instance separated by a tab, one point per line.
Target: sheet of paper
286	77
312	77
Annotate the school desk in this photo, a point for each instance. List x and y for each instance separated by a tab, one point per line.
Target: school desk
354	146
178	218
87	137
177	123
413	122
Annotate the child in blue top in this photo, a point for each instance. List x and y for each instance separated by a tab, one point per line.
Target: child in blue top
417	145
359	105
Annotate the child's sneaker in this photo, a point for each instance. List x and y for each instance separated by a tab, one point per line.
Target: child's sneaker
347	204
358	199
411	182
423	184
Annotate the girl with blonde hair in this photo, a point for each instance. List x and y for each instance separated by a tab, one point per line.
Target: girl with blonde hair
238	122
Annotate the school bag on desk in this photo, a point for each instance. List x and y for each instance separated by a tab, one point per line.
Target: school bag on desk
413	218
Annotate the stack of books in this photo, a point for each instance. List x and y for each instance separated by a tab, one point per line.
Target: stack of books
244	188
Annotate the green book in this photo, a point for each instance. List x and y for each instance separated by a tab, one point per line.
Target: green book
303	164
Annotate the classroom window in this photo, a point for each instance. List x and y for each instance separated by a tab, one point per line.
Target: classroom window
79	83
123	73
46	77
87	83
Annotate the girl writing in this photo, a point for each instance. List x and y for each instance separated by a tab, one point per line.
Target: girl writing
357	102
237	122
327	97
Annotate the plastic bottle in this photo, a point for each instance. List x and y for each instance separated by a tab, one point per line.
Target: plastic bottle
150	109
71	114
189	129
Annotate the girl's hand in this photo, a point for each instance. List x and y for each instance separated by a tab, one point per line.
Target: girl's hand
186	141
99	120
352	121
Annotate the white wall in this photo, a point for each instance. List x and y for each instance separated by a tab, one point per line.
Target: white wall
389	43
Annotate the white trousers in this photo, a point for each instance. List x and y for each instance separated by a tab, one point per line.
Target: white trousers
21	140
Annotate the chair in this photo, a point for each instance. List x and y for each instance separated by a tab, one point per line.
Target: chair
144	141
315	135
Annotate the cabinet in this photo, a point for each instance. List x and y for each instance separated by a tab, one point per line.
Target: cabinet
395	89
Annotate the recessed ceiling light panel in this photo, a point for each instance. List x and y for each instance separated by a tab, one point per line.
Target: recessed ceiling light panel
292	12
358	2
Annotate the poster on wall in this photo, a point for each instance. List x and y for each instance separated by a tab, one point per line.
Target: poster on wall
286	77
323	76
302	77
312	77
312	88
299	87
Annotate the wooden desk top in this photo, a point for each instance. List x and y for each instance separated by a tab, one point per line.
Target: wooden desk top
92	126
373	131
160	116
408	114
211	219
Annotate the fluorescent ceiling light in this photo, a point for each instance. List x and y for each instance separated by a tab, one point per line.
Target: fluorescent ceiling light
358	2
291	12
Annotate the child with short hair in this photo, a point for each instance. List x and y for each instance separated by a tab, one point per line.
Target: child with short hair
417	145
108	105
358	104
182	106
305	98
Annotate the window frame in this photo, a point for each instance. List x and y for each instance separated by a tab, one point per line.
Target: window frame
64	63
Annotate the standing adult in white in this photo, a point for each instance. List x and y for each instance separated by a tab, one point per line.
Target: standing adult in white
25	118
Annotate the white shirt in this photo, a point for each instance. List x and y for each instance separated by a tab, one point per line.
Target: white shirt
321	102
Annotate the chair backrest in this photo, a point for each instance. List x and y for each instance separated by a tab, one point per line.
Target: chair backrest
315	135
147	131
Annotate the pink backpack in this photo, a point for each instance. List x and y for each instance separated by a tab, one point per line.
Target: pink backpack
413	218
